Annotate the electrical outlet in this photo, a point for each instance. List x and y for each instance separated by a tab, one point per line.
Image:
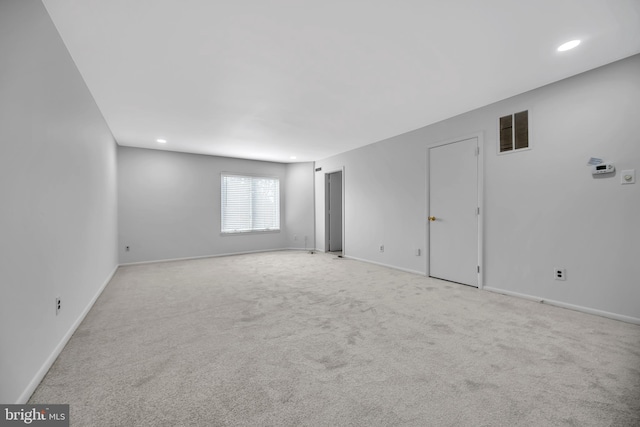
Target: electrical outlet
417	252
126	248
58	305
560	273
381	249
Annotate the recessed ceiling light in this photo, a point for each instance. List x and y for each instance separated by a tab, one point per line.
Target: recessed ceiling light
568	45
161	141
293	157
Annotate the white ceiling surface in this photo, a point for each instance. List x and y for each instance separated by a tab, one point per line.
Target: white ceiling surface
268	80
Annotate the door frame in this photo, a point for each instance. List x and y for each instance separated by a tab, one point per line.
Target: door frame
326	209
480	137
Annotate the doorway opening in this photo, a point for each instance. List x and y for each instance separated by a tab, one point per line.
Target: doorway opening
333	212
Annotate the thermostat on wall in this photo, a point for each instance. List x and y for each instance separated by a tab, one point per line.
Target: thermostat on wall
602	168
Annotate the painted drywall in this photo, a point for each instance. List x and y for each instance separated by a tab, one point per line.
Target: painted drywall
169	205
58	216
542	207
298	211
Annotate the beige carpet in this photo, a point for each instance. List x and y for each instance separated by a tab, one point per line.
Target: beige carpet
294	339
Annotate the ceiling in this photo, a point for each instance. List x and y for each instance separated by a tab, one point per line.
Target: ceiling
269	80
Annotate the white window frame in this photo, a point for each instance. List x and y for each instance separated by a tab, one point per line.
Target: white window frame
275	228
514	150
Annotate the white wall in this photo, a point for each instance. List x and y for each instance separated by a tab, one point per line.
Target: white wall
169	205
58	197
542	207
298	212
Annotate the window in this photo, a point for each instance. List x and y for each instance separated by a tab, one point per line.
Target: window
250	203
514	132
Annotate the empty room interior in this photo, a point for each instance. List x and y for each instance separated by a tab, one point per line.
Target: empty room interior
321	213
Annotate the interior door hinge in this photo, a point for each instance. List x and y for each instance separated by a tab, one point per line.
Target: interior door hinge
478	269
477	151
478	211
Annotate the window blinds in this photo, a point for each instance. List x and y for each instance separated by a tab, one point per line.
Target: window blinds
250	203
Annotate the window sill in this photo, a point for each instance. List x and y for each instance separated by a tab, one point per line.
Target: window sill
252	232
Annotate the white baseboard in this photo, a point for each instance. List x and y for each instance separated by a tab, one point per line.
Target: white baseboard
204	256
614	316
406	270
33	384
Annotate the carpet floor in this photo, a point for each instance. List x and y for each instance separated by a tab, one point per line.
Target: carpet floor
294	339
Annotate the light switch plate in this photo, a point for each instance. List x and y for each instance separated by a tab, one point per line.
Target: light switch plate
628	176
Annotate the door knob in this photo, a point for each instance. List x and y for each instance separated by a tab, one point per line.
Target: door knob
432	218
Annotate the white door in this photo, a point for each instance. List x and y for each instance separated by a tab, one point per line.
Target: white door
453	212
334	211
